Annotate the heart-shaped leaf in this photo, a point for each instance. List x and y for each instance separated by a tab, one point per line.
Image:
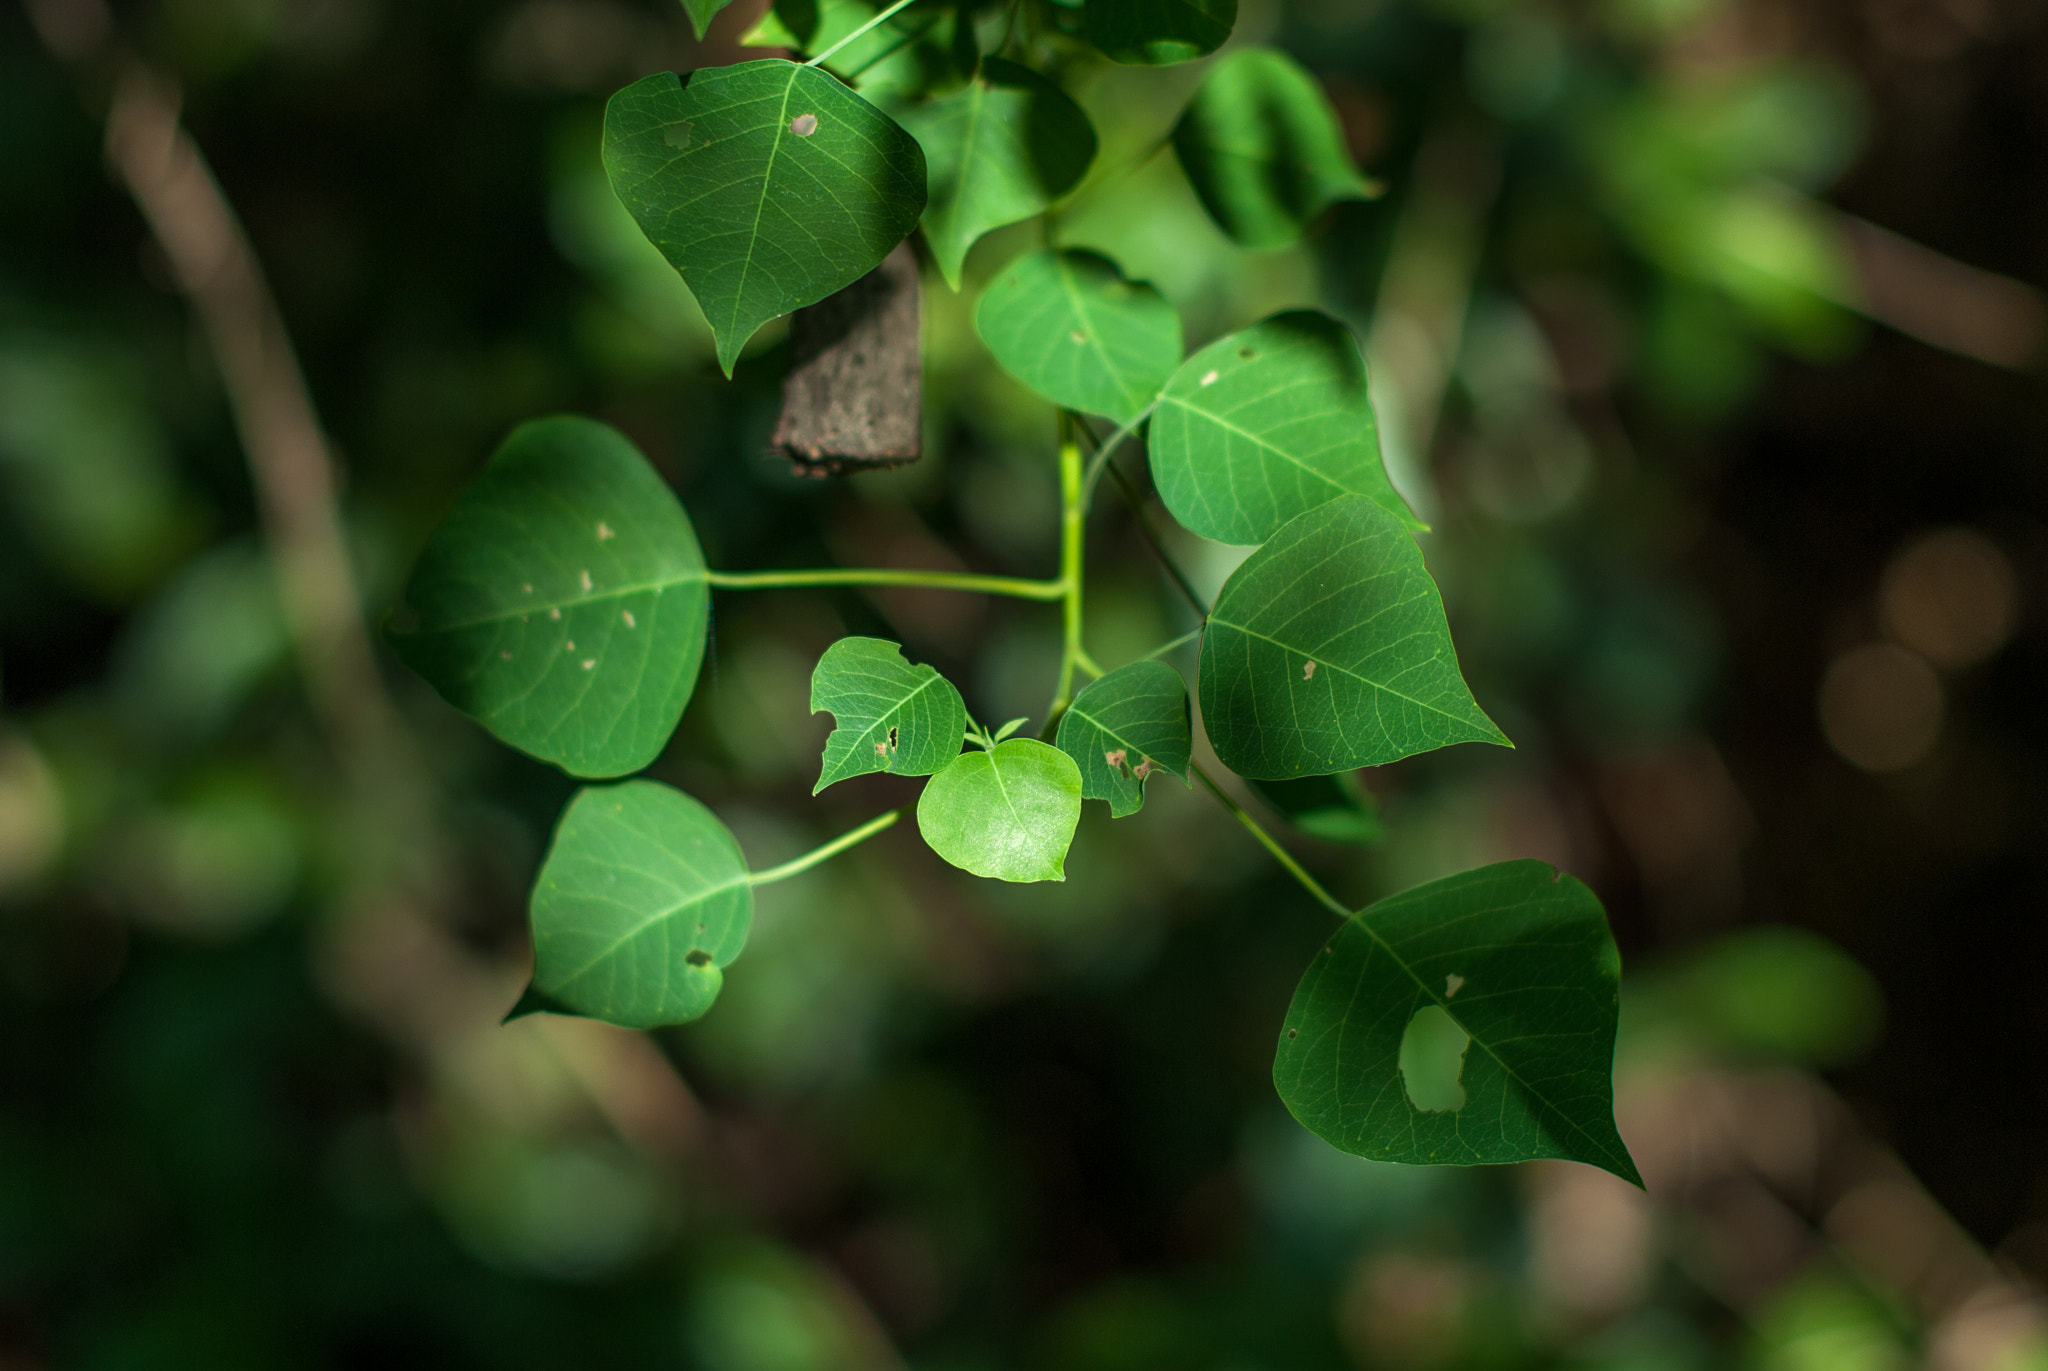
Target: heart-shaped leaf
1264	150
1000	149
562	602
768	185
1124	727
643	898
1008	813
1155	33
1518	960
890	716
1068	325
1264	424
1328	650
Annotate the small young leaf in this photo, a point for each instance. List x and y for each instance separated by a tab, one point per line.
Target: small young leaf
768	185
890	716
1068	325
1008	813
1264	150
1000	149
1518	958
1264	424
562	602
1328	651
702	12
1336	809
642	900
1154	33
1124	727
1007	729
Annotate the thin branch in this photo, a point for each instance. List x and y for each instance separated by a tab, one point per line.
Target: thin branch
1015	586
797	866
881	18
1272	845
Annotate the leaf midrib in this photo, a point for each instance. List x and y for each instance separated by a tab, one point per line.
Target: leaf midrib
543	606
1213	417
739	294
1215	622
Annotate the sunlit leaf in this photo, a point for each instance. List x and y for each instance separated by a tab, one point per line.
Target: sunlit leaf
642	900
1157	32
1124	727
1008	813
1520	960
1000	149
562	602
768	185
1264	424
1070	326
1263	149
1336	809
1328	650
890	716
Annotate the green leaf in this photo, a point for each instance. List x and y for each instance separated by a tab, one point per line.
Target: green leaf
1124	727
562	602
890	716
1264	424
702	12
998	150
1263	149
1328	650
1068	325
643	898
1520	960
1336	809
768	185
1154	33
1008	813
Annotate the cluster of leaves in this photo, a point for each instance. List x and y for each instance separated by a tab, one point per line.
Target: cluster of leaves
564	602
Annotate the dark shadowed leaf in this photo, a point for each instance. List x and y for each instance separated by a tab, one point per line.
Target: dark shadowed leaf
890	716
1517	958
1070	326
1124	727
1264	150
1000	149
562	602
643	898
1328	650
768	185
1264	424
1336	809
1157	32
1008	813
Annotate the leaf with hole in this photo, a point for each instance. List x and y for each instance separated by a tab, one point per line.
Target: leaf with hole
1264	150
889	715
998	150
1336	809
562	602
1156	33
1068	325
643	899
1265	424
1519	960
1328	650
1124	727
768	185
1008	813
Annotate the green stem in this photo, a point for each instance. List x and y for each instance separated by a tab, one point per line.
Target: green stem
832	849
1272	845
1154	538
1089	664
1108	450
1073	514
1164	648
1015	586
886	53
883	17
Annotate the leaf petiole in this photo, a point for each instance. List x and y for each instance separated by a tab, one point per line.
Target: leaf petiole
1108	449
1156	653
1272	845
881	18
1015	586
797	866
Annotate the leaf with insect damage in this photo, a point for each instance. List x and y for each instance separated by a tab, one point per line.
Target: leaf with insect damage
1264	150
1328	650
768	185
1156	33
1266	423
998	150
1126	726
1008	812
562	602
890	716
643	900
1512	966
1071	327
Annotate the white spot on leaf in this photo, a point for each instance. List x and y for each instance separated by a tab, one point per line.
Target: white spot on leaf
1308	671
604	531
555	613
1209	379
570	646
1452	985
587	586
1078	336
627	615
804	125
589	662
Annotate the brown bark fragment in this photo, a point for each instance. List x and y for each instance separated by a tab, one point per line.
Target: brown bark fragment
853	397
